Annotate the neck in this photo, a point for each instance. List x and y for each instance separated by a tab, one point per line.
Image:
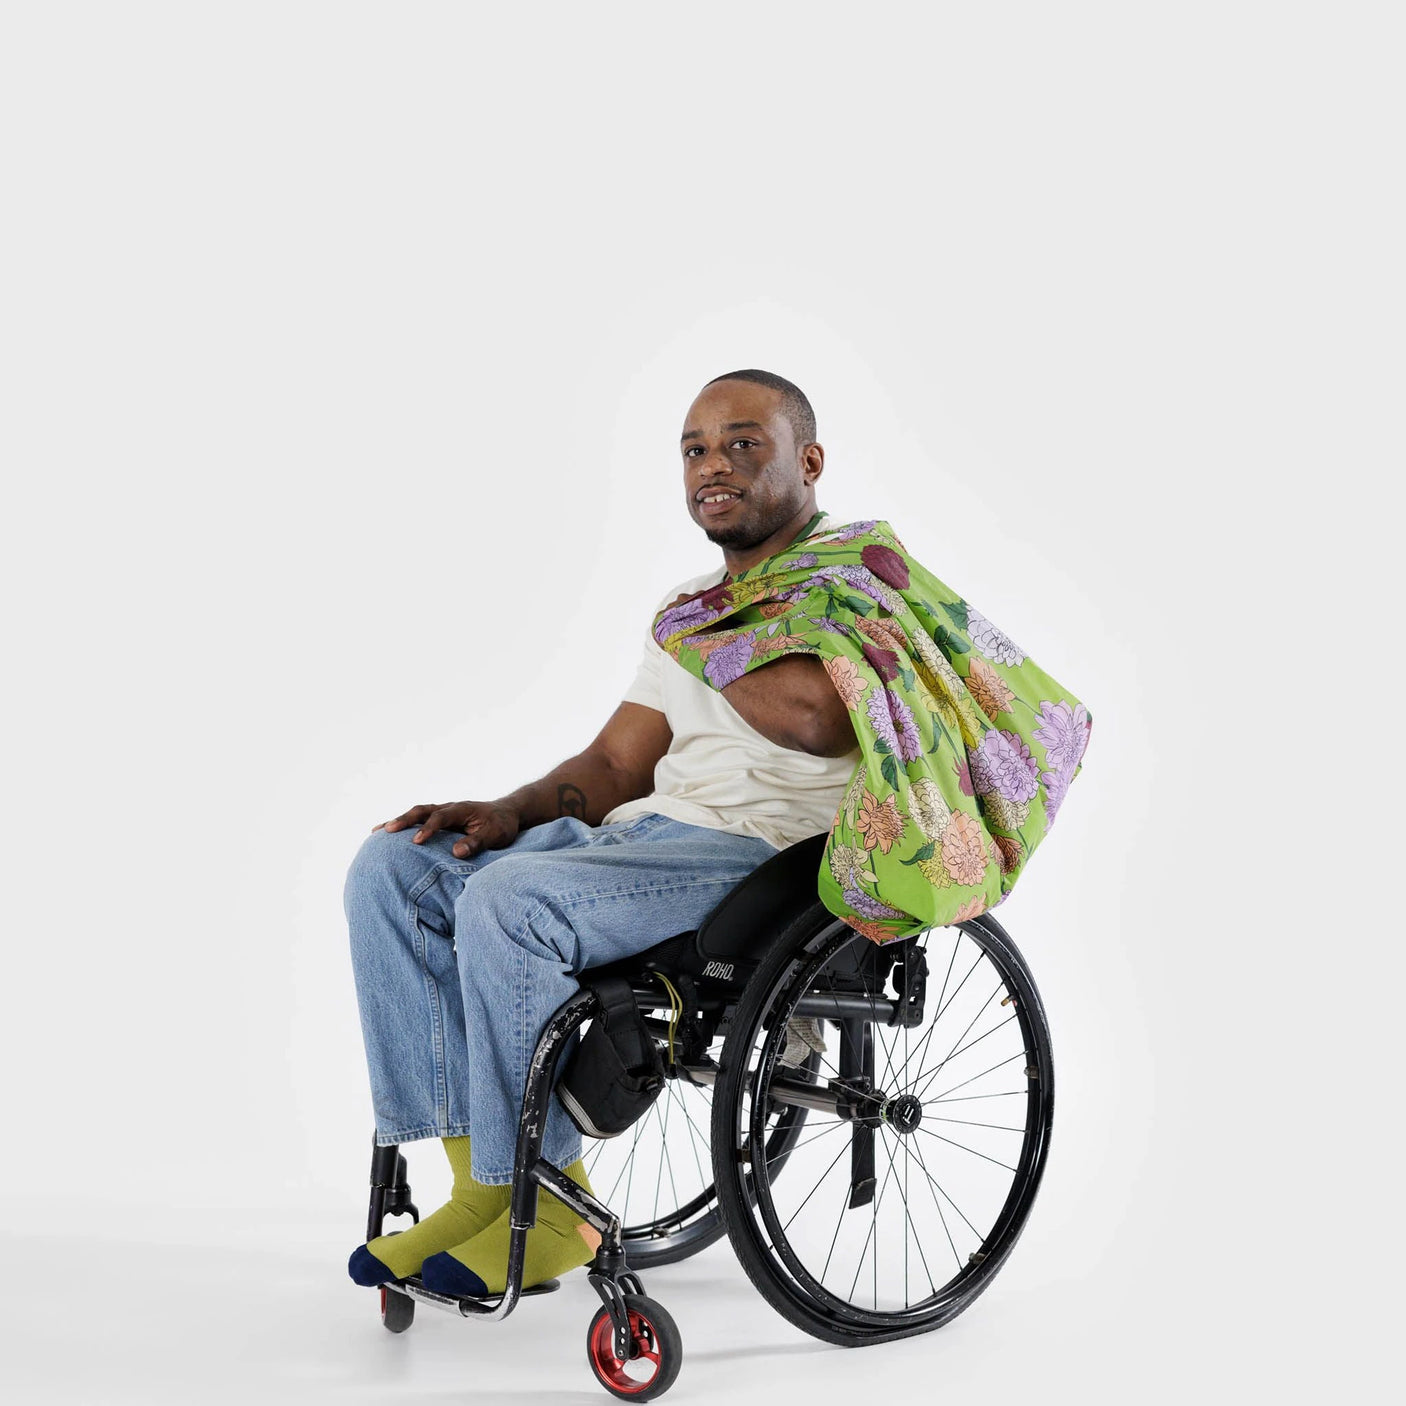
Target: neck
737	562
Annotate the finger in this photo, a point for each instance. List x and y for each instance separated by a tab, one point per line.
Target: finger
466	848
413	816
439	819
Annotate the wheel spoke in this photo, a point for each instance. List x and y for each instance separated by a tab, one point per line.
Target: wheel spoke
965	1148
917	1152
922	1162
838	1123
693	1134
815	1188
908	1217
659	1180
874	1220
972	1123
941	1011
1000	986
942	1098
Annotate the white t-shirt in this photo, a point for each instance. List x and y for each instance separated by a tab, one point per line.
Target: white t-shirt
719	770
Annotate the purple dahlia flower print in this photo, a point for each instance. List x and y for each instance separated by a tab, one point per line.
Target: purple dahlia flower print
855	529
1056	788
861	902
861	579
892	719
729	661
802	562
823	622
682	617
700	609
991	642
1004	764
1064	732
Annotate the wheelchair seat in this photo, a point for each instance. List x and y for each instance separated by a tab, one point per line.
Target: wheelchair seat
724	950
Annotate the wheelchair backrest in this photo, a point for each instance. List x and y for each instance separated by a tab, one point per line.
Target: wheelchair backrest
741	929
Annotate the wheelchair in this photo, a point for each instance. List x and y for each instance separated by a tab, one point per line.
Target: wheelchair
810	1073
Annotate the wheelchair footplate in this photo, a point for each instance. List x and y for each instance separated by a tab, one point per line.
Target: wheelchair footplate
632	1343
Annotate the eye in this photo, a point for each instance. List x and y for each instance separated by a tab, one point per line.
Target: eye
689	452
744	441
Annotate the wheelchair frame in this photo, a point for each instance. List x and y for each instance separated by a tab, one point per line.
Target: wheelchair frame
717	961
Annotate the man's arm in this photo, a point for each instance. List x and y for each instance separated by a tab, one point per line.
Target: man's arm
792	702
617	767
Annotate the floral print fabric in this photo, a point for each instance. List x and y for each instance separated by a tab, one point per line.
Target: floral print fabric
967	747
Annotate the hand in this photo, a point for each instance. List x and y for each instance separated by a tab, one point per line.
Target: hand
485	824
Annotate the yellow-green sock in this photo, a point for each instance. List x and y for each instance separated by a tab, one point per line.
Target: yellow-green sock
471	1207
555	1244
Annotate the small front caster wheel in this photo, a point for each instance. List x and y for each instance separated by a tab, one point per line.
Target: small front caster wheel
656	1351
397	1310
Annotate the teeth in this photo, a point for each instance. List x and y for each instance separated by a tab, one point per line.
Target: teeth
719	497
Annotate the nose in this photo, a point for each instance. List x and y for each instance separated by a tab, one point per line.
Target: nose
712	464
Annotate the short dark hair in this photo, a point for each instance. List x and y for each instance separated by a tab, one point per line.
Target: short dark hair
794	404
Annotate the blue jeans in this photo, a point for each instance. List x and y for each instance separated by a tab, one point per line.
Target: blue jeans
460	963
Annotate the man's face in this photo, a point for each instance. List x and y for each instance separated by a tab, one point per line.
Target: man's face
740	449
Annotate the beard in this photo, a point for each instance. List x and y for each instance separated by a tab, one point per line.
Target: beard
743	536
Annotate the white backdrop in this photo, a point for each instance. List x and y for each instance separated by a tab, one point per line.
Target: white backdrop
344	353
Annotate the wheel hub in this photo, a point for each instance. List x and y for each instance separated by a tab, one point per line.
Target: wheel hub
903	1113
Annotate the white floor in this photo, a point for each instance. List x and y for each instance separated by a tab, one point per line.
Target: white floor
199	1313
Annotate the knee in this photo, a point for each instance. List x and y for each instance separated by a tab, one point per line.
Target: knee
374	866
508	899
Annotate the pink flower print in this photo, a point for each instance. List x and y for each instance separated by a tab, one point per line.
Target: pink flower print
729	661
1004	764
972	908
892	719
846	678
991	642
1064	732
964	849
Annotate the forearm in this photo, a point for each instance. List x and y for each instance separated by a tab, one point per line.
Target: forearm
792	703
587	786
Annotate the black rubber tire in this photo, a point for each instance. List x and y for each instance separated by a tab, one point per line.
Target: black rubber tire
397	1310
667	1338
644	1254
817	926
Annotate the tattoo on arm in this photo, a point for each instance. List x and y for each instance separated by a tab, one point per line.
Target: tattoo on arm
571	800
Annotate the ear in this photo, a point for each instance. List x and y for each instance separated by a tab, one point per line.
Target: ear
812	463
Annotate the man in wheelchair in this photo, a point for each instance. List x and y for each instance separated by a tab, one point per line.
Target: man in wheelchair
471	921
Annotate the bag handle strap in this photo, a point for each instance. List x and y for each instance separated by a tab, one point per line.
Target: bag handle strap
617	998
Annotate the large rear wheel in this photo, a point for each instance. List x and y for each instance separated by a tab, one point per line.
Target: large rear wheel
928	1125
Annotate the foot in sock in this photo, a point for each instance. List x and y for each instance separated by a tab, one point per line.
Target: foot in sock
560	1241
471	1207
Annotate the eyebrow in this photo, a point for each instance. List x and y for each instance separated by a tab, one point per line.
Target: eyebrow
731	425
